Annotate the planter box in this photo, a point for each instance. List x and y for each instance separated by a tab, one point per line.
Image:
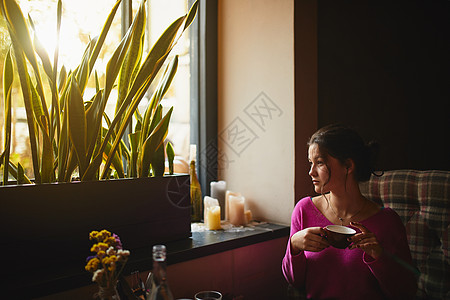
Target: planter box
47	226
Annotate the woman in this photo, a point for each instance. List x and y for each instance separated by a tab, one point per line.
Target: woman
377	264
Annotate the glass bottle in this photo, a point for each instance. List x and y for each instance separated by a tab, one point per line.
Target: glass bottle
160	288
108	293
196	191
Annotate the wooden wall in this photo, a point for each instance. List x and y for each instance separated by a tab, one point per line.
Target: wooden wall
383	67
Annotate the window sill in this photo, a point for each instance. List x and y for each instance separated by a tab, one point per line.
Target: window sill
206	243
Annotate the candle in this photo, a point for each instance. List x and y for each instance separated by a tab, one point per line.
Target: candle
248	216
227	196
212	220
218	189
236	207
207	203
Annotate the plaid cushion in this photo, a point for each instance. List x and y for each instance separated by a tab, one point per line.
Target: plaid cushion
422	200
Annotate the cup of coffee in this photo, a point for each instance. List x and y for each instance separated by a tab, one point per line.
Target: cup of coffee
337	235
208	295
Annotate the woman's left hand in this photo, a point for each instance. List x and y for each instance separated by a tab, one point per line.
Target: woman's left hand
366	241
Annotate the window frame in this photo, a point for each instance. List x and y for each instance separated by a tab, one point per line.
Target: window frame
204	108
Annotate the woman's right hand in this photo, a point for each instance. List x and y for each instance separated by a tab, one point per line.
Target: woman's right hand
309	239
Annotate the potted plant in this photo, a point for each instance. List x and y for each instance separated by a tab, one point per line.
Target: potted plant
68	137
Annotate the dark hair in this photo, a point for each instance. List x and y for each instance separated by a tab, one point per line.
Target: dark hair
343	143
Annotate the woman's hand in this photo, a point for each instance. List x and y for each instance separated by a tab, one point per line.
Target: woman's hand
366	241
309	239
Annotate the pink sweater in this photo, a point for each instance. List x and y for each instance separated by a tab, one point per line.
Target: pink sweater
351	274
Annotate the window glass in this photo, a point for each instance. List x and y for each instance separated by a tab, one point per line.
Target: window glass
160	15
81	21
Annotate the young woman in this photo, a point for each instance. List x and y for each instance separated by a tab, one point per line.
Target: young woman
377	264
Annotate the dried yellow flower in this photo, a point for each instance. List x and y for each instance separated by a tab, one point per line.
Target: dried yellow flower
109	258
92	264
110	241
93	235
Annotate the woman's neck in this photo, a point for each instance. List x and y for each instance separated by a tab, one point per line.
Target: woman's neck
346	202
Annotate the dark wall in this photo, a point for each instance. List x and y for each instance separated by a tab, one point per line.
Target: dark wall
383	67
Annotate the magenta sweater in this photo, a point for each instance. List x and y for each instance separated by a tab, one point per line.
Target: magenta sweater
351	274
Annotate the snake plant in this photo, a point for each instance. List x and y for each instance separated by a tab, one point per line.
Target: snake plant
70	134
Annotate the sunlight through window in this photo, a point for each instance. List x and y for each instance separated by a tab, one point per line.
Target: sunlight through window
82	20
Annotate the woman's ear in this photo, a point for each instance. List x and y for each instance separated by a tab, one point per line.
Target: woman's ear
350	165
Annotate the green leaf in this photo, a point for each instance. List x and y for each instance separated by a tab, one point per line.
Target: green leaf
21	178
134	144
148	128
22	42
170	156
138	125
77	124
13	170
40	50
8	79
19	29
157	96
112	70
191	15
62	78
146	74
71	165
133	57
97	83
47	157
26	92
152	143
157	56
18	173
37	106
115	63
116	162
158	163
83	70
93	167
58	30
102	37
169	74
63	148
93	121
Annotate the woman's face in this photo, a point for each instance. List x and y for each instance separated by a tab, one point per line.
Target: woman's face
322	166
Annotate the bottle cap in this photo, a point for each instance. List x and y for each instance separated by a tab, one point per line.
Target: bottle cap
159	252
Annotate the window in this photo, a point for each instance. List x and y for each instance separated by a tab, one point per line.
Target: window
204	95
81	21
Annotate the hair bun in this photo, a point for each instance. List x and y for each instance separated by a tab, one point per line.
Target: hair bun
373	152
343	143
